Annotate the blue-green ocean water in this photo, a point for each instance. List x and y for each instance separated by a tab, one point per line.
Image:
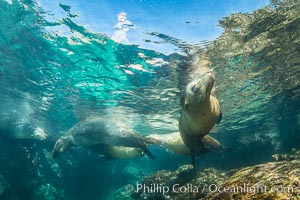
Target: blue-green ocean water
56	79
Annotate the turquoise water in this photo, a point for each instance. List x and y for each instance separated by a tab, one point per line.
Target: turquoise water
56	78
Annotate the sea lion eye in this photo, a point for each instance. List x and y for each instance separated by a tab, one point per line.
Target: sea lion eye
194	88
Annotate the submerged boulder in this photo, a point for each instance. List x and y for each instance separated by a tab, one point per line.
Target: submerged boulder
4	185
272	181
184	183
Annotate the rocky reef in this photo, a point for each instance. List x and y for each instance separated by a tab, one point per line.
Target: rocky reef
4	185
259	53
272	180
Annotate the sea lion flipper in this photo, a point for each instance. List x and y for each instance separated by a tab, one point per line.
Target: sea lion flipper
154	141
148	153
194	160
211	143
220	118
61	145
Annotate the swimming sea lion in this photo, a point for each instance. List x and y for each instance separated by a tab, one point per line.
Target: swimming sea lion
174	143
200	109
102	131
15	126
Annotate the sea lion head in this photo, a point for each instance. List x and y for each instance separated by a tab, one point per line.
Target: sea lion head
198	91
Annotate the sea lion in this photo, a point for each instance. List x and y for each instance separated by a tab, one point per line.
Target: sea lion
16	126
200	108
118	152
102	131
174	143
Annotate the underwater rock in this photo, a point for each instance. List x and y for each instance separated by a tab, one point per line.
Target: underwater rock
257	56
294	155
120	194
267	36
283	157
273	180
47	192
181	184
135	171
3	185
